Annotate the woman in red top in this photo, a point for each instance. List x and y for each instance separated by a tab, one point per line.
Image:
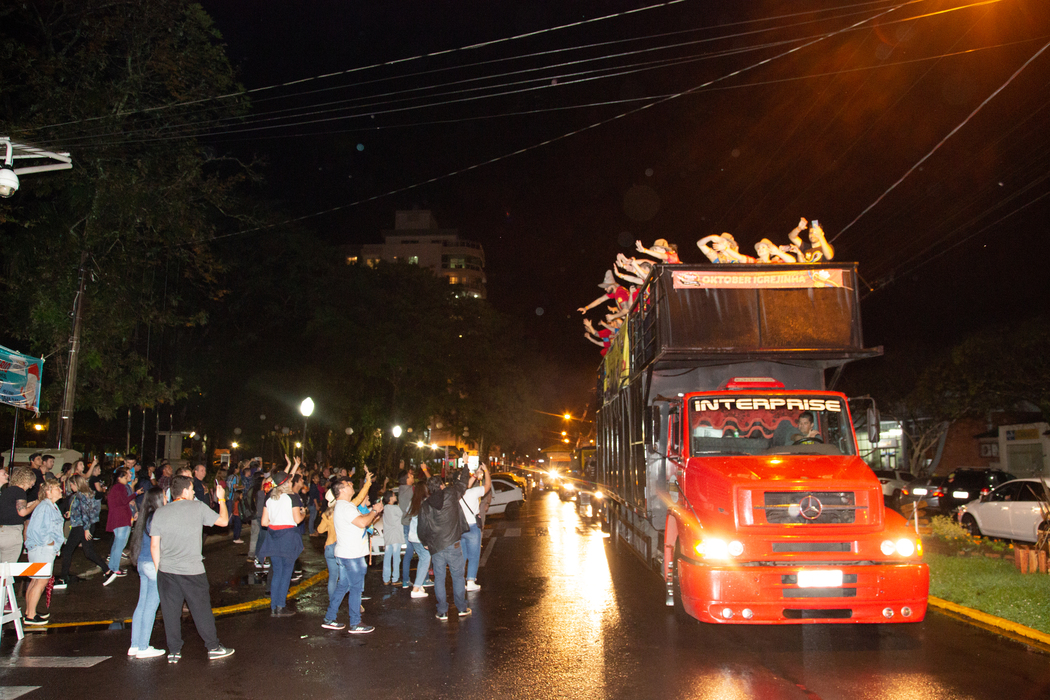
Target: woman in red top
119	498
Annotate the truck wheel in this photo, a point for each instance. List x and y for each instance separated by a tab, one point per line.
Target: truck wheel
970	523
513	510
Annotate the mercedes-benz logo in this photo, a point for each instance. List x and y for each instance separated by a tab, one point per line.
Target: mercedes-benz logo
810	507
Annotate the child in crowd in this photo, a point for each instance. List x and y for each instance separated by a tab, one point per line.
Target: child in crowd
393	538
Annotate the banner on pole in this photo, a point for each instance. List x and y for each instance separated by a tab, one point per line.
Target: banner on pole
20	379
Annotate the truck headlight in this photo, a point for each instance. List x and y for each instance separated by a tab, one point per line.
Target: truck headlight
599	494
714	548
905	547
888	548
568	486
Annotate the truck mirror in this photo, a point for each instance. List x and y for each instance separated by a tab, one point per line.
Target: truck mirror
873	425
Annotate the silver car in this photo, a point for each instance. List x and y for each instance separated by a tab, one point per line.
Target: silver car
1017	510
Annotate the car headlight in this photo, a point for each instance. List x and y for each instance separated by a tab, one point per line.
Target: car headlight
569	486
599	494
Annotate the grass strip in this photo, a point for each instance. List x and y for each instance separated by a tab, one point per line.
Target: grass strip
993	586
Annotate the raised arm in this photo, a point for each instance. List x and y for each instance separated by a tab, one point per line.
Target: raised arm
599	300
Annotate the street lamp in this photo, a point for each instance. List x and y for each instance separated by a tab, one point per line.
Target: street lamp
396	431
306	408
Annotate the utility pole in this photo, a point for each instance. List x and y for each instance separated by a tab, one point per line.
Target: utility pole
65	429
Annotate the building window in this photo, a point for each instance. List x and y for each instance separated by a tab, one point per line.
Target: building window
413	259
352	260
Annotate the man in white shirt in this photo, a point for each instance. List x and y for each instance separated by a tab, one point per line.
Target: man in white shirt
351	548
479	484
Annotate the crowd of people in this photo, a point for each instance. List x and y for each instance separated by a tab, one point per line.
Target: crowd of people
719	249
157	518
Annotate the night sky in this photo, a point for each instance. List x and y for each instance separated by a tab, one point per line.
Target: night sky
675	122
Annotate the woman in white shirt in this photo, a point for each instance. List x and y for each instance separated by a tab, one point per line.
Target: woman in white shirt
283	543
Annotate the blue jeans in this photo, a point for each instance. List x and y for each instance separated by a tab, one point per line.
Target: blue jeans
281	569
311	526
452	557
471	543
120	540
421	568
352	581
391	562
146	611
333	568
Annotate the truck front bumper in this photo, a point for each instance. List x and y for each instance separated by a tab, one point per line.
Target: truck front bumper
771	594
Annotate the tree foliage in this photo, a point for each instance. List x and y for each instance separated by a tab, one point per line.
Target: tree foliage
98	78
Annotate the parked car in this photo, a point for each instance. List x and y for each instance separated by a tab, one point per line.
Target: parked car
507	498
967	484
520	481
930	490
1017	510
895	485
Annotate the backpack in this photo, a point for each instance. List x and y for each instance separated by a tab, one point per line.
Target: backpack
249	498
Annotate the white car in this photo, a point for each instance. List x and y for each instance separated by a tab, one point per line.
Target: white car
1014	510
507	498
895	484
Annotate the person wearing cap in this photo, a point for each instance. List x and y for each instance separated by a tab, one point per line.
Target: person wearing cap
613	292
283	543
662	250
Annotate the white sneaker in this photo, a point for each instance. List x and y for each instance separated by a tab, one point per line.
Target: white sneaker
149	653
471	586
133	651
419	594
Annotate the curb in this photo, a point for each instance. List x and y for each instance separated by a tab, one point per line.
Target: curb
256	604
992	621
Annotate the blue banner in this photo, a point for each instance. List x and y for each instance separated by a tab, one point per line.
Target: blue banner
20	379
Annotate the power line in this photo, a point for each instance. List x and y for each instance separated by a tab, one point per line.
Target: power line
943	141
571	133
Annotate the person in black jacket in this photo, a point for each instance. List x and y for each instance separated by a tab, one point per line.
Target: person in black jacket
441	524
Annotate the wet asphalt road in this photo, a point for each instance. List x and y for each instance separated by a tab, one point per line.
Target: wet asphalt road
560	615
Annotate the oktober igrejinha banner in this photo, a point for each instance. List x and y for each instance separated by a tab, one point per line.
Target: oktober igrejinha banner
750	278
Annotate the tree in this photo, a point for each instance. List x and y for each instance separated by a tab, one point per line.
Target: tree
100	78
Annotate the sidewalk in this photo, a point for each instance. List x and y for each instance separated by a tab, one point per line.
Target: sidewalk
234	582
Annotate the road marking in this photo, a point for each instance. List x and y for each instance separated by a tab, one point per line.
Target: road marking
512	532
52	661
487	552
16	691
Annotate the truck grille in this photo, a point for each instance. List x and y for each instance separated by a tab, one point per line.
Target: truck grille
810	507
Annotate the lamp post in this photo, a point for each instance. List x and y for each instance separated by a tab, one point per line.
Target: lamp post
306	408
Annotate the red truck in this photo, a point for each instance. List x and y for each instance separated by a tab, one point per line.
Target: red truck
729	467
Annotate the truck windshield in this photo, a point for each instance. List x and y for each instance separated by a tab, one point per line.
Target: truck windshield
741	424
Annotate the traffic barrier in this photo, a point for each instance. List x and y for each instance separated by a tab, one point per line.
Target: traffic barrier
8	603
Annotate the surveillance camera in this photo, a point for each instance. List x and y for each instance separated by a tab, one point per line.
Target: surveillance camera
8	181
